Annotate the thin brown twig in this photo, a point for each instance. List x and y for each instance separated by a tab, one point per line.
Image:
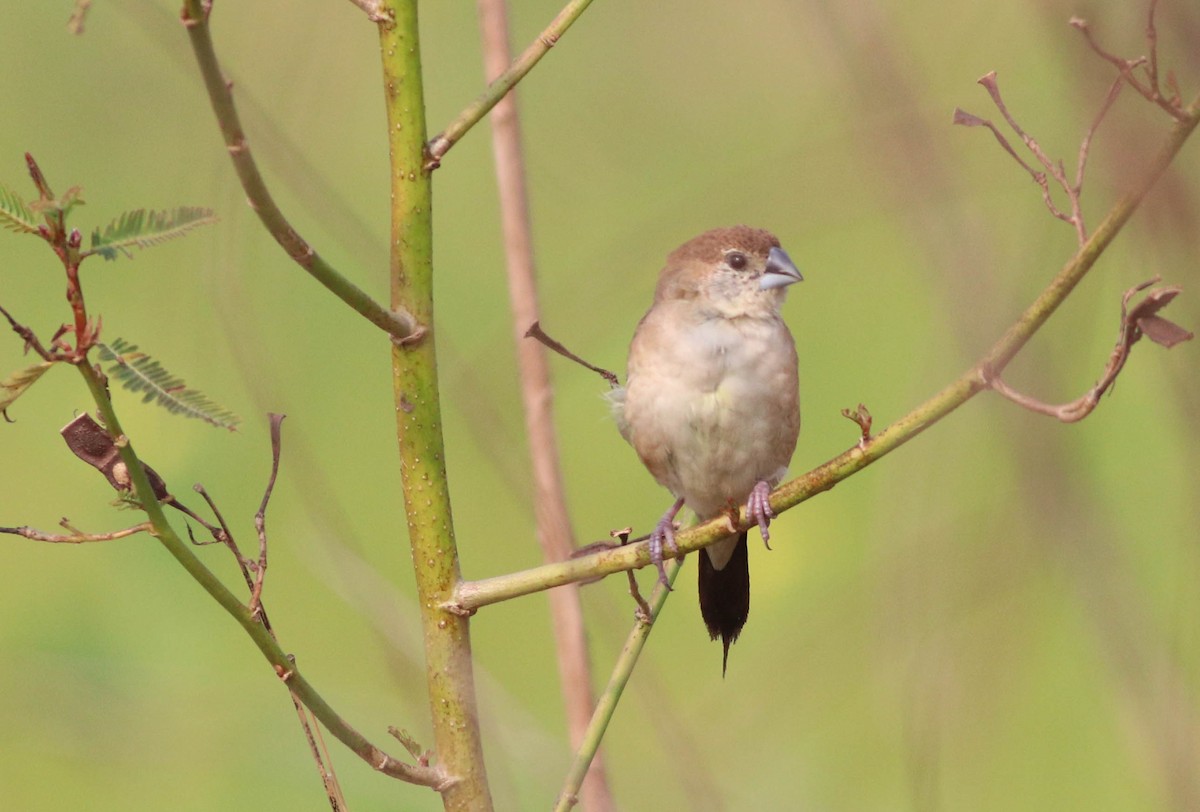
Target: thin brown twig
554	531
30	338
1085	145
536	332
1152	42
76	537
254	583
1173	105
1053	169
643	612
260	518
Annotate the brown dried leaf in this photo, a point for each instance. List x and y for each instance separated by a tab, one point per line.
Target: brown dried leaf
1163	332
1144	315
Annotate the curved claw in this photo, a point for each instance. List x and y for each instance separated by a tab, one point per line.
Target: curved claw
664	536
758	510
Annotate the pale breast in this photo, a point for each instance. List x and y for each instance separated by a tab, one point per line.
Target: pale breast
712	406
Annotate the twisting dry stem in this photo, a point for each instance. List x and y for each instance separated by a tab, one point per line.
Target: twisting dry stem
260	518
554	531
1136	322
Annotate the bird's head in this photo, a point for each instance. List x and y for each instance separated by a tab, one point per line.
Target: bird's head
735	271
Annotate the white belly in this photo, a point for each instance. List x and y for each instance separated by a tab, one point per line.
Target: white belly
718	409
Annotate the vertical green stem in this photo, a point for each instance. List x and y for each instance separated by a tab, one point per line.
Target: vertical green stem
418	421
606	705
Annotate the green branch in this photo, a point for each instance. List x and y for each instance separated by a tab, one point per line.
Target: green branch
606	704
471	595
399	324
449	669
284	667
476	110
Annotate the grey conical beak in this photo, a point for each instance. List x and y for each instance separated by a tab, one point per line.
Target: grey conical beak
780	271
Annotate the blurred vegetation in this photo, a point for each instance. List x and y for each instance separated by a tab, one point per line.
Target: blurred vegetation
1004	615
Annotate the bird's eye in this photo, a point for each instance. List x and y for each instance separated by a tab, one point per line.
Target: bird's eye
736	259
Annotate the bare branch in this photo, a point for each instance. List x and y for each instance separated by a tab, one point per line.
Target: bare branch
607	702
536	332
260	518
1053	169
1085	145
31	340
76	537
1142	319
1151	91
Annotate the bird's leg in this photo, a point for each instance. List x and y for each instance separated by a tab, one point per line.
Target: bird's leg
758	510
664	534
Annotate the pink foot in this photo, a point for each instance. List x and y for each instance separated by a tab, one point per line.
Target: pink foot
758	510
664	536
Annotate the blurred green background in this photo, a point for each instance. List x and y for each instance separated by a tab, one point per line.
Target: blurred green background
1002	615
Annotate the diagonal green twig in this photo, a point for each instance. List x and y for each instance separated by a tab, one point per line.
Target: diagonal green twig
476	110
606	704
398	324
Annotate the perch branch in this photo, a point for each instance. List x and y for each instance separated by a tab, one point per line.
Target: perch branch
471	595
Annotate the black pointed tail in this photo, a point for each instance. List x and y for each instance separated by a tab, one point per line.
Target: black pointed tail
725	596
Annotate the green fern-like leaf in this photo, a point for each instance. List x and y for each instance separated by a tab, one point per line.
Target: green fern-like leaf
138	372
15	384
15	215
142	229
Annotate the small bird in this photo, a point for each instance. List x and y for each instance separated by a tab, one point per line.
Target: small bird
711	401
